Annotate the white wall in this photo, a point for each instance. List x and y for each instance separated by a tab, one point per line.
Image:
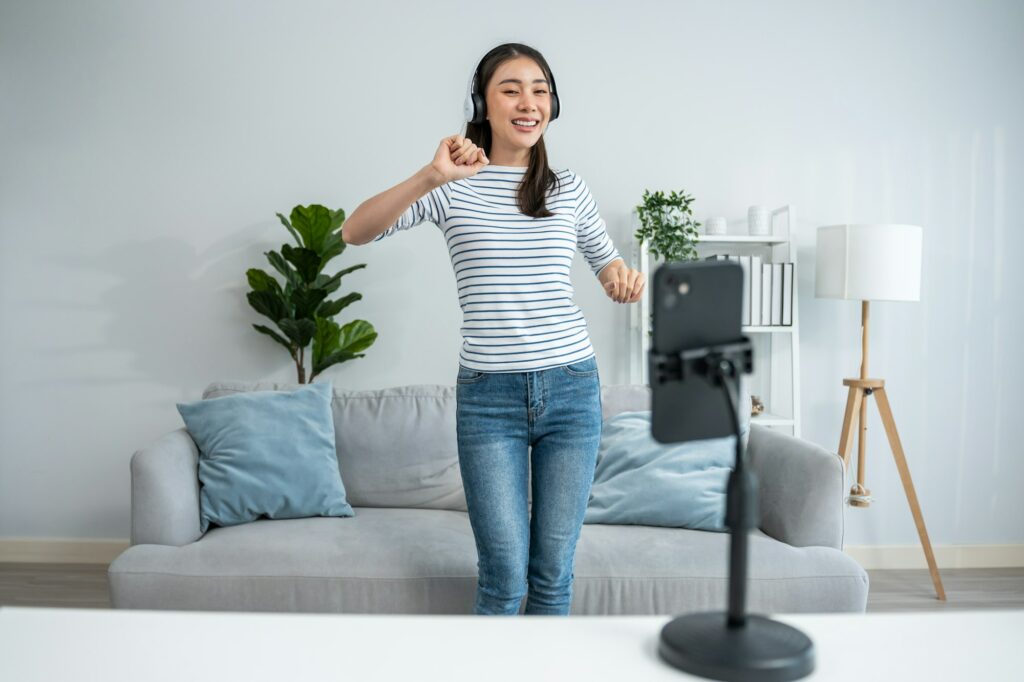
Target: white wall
147	146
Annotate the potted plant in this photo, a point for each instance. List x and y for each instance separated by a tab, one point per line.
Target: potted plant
300	308
667	225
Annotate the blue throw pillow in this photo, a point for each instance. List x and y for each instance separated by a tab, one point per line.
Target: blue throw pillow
266	453
641	481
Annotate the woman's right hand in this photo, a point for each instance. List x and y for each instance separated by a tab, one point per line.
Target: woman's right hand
457	158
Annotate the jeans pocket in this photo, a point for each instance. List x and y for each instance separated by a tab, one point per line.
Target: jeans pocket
469	376
583	368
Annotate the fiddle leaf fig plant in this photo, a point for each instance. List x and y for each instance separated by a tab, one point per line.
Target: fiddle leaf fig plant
667	225
300	308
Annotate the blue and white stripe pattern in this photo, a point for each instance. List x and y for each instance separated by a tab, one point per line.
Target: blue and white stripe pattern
512	271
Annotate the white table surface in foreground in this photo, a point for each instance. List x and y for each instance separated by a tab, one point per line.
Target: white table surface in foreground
114	645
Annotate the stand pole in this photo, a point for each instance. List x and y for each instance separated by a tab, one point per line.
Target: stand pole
735	645
860	496
737	512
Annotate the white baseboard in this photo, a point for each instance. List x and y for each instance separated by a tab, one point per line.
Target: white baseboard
77	551
60	550
946	556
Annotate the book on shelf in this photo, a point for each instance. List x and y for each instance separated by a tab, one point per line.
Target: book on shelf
768	290
766	294
744	262
776	314
755	291
787	294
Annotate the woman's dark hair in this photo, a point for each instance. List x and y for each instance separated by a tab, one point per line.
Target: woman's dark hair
539	176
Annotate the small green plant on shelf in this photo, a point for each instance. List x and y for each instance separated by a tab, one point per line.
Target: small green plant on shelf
667	228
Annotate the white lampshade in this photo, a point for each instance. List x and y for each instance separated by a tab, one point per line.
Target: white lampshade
868	262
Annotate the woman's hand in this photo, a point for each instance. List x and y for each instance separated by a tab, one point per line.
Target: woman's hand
622	283
457	158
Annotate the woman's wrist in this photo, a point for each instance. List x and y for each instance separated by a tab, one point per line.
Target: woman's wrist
609	271
431	177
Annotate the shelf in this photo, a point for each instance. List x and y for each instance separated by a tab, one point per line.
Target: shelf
769	419
741	239
781	329
777	378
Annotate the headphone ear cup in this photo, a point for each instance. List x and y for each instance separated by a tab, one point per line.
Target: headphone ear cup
479	108
474	109
556	106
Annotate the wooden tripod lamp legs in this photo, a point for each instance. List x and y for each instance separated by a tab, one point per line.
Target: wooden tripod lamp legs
860	389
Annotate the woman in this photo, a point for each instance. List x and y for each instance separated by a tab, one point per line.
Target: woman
528	393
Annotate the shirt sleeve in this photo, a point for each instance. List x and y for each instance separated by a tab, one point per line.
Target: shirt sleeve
432	206
591	232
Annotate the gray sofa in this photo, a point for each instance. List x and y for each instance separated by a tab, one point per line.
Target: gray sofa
410	549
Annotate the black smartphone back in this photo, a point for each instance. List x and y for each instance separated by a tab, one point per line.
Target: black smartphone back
696	304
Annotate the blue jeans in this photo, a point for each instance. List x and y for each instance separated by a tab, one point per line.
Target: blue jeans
557	412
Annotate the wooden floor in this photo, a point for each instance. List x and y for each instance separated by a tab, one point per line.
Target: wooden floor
85	586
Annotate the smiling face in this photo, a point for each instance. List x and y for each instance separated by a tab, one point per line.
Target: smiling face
517	92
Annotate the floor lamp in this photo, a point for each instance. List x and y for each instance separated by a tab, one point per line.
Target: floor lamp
870	263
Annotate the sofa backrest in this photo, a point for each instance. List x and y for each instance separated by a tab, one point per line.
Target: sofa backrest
397	446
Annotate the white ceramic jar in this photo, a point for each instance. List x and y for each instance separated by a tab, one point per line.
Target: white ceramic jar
757	221
715	225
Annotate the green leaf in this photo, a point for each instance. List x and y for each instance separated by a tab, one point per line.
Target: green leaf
262	281
337	218
306	261
291	229
326	340
282	266
356	336
332	282
333	246
299	331
268	303
332	308
306	301
314	224
333	359
277	337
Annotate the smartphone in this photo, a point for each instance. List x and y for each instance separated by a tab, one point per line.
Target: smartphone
696	304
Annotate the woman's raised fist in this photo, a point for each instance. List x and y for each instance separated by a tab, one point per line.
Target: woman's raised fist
457	158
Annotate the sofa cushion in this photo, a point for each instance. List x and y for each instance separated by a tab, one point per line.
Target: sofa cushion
416	463
424	561
641	481
266	453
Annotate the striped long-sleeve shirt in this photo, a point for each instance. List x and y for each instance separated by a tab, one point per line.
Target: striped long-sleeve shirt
512	270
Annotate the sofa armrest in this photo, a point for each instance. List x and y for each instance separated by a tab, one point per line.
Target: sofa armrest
165	491
801	488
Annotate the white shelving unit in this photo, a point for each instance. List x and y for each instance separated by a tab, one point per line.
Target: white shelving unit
776	376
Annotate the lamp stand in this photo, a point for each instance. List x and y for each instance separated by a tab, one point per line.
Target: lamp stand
856	402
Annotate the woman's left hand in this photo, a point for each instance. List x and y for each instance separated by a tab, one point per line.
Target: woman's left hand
626	285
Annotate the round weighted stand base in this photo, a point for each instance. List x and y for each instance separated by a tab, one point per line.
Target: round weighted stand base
763	649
